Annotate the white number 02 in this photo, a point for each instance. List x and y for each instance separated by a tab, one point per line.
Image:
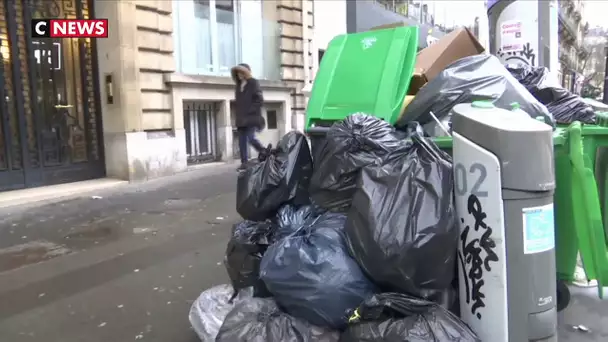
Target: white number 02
460	179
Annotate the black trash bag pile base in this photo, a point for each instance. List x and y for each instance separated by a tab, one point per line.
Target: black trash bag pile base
395	317
261	320
402	227
209	310
280	176
311	275
349	145
565	106
469	79
247	245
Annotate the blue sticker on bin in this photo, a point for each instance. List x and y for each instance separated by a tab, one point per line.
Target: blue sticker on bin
539	229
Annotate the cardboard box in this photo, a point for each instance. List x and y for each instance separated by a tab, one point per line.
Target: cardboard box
389	26
434	59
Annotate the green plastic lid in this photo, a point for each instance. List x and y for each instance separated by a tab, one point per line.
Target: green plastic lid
482	104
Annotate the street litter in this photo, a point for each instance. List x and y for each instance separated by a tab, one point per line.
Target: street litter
399	317
581	328
280	176
261	320
211	307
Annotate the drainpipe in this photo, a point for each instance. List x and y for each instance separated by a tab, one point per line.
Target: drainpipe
305	45
307	48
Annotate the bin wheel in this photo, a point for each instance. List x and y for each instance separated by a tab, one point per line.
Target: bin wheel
563	295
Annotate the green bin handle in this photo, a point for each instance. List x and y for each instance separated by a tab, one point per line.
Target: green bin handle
587	212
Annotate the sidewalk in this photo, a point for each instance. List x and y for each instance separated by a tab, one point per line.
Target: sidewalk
124	263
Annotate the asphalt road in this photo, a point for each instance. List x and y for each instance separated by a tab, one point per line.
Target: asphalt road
125	264
122	265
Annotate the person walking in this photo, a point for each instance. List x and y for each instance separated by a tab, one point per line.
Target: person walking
248	118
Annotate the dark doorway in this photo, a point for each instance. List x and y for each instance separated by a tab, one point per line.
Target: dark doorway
50	115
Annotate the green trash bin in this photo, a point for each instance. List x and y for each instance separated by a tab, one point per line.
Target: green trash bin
595	149
366	72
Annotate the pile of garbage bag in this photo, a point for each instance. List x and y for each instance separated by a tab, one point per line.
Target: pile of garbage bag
299	267
563	105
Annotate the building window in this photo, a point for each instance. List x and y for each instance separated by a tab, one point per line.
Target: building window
206	34
271	119
226	21
211	36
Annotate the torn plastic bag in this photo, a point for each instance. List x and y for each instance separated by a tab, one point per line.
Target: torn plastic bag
395	317
247	245
211	307
403	218
349	145
473	78
280	176
261	320
311	275
290	218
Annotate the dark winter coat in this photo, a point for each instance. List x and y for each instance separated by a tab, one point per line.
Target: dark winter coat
249	103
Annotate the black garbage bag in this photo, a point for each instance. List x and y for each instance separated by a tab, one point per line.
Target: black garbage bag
261	320
290	218
247	245
211	307
351	144
528	75
311	275
403	218
469	79
395	317
565	106
280	176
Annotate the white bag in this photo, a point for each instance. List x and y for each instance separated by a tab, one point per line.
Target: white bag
211	307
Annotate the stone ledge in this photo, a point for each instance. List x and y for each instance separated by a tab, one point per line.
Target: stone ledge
185	79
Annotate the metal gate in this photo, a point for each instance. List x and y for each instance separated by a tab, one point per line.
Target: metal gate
50	114
199	124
